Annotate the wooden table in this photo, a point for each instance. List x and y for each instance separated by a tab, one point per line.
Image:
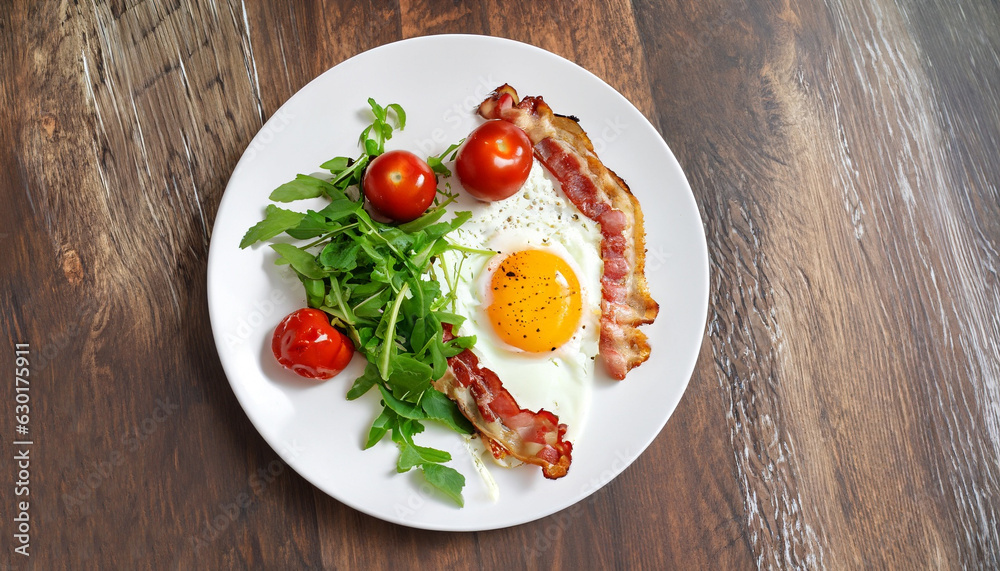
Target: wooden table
845	410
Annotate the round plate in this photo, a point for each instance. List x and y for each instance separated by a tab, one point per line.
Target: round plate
439	81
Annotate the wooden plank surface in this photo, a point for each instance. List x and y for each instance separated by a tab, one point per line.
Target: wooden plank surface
845	411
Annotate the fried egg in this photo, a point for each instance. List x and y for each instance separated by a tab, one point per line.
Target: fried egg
534	306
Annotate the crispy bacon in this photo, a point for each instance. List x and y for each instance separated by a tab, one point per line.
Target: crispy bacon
532	437
601	195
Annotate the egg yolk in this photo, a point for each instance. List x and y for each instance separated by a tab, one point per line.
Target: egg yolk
536	302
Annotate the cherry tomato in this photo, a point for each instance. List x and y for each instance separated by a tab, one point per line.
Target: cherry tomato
495	160
306	343
399	185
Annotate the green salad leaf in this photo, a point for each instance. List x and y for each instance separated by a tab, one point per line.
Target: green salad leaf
375	282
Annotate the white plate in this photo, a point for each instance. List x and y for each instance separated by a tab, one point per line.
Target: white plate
439	80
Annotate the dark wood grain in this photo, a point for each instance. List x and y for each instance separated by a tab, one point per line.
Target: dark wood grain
852	297
845	411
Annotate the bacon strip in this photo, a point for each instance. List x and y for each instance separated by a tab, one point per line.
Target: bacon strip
601	195
532	437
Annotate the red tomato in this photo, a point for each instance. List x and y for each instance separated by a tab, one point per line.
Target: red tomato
495	160
306	343
399	185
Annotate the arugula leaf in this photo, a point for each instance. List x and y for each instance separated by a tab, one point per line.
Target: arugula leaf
371	307
458	344
409	375
418	335
313	224
339	208
401	407
335	299
398	239
363	383
302	261
409	427
446	479
304	186
439	407
428	218
336	164
374	137
315	290
377	110
411	455
276	220
350	176
340	257
400	115
385	422
454	319
437	162
439	363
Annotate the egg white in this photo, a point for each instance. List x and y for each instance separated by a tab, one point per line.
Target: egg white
538	217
